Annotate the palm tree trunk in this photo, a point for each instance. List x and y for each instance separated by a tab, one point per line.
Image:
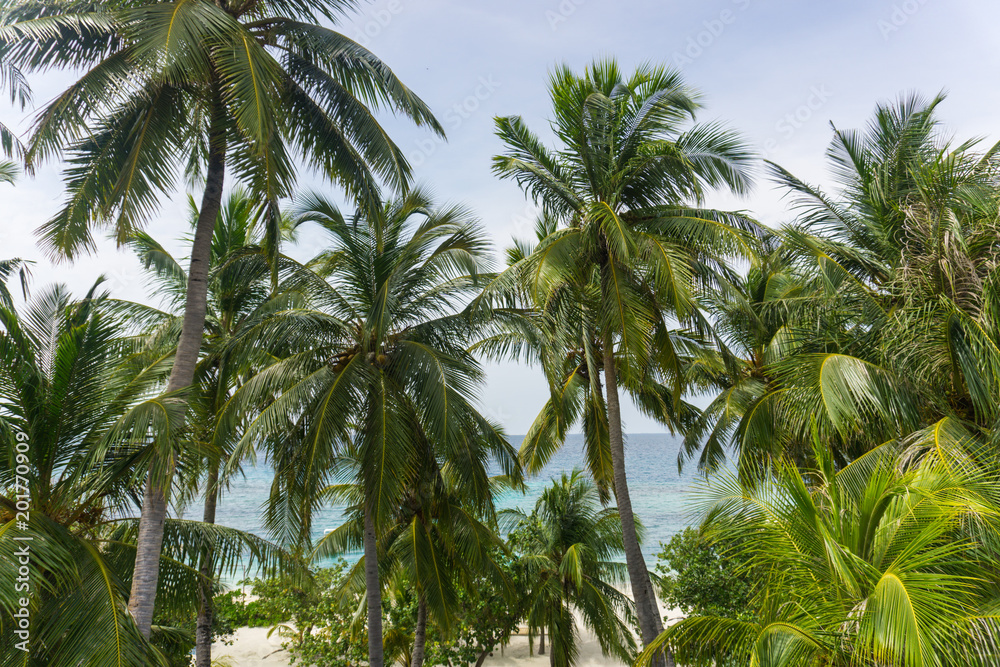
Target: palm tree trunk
374	594
203	629
420	633
541	642
154	501
642	589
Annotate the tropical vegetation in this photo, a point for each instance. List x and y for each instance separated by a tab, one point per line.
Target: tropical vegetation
882	562
570	547
835	379
624	246
197	87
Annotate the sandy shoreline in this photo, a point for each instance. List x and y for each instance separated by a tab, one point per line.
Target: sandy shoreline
253	648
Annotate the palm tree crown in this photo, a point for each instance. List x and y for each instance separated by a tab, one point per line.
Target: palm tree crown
879	563
166	84
380	359
624	251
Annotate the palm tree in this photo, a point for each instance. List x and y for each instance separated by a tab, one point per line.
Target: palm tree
901	165
569	548
620	188
239	295
79	409
902	267
380	361
757	320
439	543
66	384
884	562
203	85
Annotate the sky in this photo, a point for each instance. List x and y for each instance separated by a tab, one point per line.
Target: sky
780	72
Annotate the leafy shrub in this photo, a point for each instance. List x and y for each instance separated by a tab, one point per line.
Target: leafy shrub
318	621
701	577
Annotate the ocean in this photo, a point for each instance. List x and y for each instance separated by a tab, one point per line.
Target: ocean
661	497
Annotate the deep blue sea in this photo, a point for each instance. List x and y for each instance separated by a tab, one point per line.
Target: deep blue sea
661	496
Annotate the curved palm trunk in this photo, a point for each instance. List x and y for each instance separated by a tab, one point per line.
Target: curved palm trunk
642	589
203	629
154	502
420	633
373	593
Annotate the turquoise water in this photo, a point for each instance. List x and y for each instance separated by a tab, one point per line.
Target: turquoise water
661	496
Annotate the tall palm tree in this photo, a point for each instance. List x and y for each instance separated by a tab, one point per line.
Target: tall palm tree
379	360
79	410
884	562
621	187
202	85
569	549
239	295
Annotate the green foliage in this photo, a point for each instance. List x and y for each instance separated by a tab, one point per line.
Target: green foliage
161	85
704	577
377	358
888	561
78	410
625	246
873	315
623	249
568	549
855	363
320	625
79	406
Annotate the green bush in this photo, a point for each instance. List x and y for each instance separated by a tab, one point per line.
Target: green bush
701	577
318	621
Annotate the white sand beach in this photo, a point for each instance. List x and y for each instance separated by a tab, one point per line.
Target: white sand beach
253	648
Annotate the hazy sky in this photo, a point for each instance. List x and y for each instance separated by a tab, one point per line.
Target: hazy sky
778	71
